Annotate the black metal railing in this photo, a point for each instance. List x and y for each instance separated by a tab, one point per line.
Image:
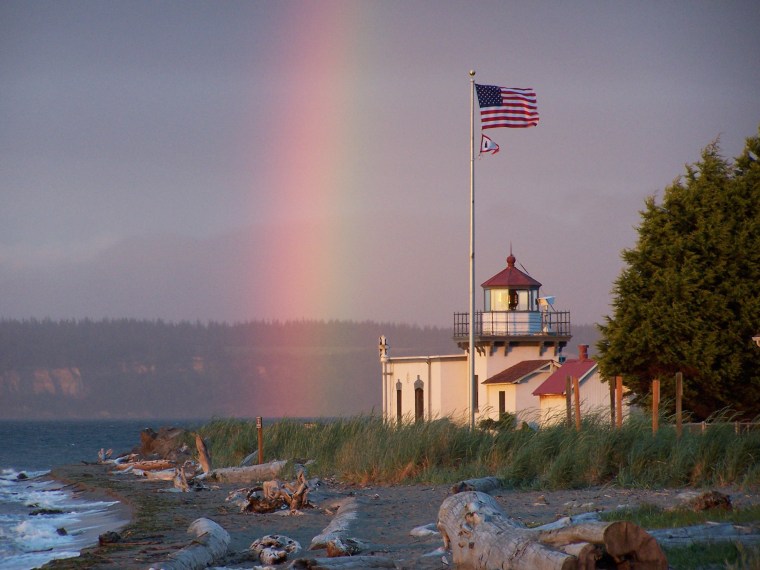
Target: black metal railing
513	323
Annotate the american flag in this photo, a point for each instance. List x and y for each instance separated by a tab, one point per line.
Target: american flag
506	107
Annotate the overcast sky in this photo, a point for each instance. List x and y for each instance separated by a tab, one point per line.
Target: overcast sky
282	160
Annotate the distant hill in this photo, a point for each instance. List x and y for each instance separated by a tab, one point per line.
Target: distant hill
153	369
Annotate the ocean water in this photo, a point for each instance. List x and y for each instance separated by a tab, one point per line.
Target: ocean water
41	519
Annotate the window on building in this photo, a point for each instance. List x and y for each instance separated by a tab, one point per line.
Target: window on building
502	402
475	392
419	404
398	405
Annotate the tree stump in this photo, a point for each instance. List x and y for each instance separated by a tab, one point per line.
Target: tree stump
480	535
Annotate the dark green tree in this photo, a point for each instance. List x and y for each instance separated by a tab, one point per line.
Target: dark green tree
688	298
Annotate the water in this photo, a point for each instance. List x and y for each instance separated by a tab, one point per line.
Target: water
28	451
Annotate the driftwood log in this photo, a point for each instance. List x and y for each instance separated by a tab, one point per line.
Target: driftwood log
349	563
483	484
251	474
209	544
274	495
339	525
480	535
147	465
710	533
204	457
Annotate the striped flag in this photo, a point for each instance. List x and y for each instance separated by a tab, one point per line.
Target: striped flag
506	107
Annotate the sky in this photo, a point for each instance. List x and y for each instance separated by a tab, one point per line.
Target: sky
235	161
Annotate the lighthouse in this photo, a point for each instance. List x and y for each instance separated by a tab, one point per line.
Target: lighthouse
515	315
519	336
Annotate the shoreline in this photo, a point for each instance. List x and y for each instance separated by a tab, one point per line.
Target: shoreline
159	519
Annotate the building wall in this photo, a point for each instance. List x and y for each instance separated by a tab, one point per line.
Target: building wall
441	378
444	379
518	397
452	386
594	396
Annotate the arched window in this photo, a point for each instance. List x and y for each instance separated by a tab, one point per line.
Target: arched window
419	404
419	400
399	414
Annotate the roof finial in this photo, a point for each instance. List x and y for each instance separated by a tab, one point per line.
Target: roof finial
511	259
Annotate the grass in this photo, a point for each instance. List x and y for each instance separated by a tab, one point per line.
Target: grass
365	449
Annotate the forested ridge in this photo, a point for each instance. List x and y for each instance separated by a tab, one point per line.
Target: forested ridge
128	368
139	368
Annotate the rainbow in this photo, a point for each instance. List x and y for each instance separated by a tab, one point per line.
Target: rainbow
302	203
305	196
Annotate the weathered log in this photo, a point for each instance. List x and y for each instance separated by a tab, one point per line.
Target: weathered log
162	475
339	525
622	540
210	542
710	533
481	536
484	485
348	563
253	473
587	554
149	465
204	457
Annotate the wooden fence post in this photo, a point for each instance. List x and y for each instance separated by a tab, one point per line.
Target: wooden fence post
619	401
260	434
655	405
568	400
679	397
577	396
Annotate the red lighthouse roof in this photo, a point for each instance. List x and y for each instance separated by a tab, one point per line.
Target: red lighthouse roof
511	278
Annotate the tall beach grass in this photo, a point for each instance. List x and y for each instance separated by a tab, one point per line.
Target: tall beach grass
366	449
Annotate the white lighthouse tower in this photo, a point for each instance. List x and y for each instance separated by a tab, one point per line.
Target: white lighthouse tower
519	337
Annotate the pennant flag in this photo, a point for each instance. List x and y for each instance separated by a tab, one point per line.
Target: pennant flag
487	145
507	107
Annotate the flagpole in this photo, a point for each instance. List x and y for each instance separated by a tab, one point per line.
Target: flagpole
471	359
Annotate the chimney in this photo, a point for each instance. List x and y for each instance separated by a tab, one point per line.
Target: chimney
583	351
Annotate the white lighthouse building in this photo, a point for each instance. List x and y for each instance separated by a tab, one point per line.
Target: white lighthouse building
519	337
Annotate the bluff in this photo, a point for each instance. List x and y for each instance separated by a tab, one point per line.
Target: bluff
152	369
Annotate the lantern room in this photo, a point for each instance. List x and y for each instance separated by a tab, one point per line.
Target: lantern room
514	312
511	290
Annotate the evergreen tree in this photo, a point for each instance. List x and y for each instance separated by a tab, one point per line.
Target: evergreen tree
688	299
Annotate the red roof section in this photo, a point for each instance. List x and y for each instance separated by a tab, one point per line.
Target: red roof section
511	277
517	372
555	384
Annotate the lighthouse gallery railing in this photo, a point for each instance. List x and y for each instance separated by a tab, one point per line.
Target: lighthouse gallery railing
513	323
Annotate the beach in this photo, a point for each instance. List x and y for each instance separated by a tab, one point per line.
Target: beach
159	518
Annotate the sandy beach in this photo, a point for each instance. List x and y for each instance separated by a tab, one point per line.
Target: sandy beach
159	518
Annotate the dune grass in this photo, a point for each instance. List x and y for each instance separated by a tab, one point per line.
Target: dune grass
365	449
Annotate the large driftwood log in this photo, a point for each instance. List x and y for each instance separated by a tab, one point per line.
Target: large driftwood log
210	542
484	485
481	536
710	533
147	465
253	473
349	563
339	525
